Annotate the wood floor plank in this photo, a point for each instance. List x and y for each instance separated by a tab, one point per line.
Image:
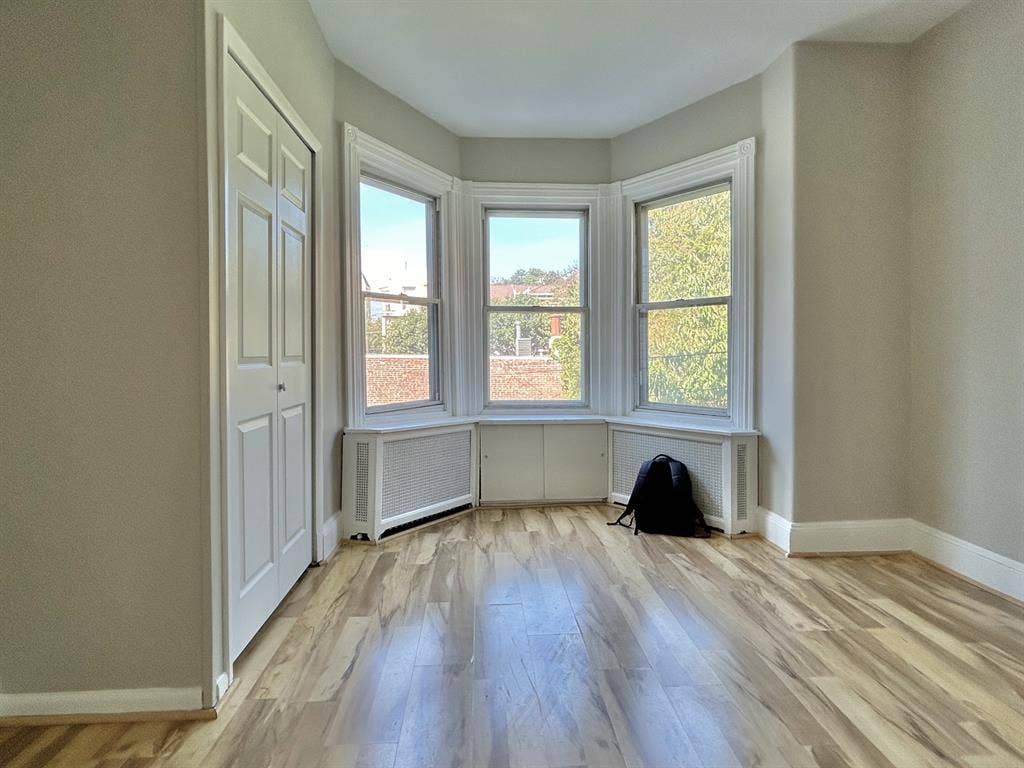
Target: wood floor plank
540	637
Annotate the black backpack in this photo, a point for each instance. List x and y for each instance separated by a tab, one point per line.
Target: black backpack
662	501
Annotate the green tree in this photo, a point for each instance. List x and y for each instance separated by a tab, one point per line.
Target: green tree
689	256
535	276
566	347
533	325
399	335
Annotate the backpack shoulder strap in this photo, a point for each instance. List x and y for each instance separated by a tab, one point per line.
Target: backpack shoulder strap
679	472
634	496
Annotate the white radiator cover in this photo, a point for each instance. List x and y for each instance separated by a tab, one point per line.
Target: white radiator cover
390	479
723	469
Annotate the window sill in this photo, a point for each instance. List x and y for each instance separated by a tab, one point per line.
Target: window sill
406	421
681	423
552	417
409	423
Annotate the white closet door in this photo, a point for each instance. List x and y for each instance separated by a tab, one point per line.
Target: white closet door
267	345
294	163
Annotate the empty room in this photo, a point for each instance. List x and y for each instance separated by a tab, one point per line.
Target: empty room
512	384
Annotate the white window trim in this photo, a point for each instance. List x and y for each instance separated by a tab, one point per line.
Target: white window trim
485	196
583	309
735	165
433	299
612	372
364	154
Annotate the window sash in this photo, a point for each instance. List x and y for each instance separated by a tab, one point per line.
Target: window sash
433	230
582	309
432	299
542	213
642	261
584	316
642	307
643	399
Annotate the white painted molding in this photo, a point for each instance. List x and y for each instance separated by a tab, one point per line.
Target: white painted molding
101	702
220	687
775	528
981	565
395	165
733	164
363	153
976	563
329	533
849	536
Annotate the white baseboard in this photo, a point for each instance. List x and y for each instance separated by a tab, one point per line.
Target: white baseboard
988	568
220	687
775	528
101	702
849	536
984	566
327	541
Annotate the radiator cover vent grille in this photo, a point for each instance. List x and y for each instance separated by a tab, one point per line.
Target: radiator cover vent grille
741	481
362	482
703	460
420	471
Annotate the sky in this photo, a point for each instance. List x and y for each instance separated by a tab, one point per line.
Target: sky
393	241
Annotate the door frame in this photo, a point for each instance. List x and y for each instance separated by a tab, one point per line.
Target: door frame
217	661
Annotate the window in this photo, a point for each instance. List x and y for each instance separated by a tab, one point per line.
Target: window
536	306
400	288
684	301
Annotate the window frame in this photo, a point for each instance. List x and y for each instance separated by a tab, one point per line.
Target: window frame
367	157
733	165
432	299
645	307
582	309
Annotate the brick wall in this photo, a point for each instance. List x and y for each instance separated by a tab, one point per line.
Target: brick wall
401	378
525	378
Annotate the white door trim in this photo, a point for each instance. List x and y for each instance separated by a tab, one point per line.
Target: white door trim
229	44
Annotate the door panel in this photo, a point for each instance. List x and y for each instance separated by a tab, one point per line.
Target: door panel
255	278
575	461
294	174
255	453
293	466
255	141
511	463
251	351
267	316
293	295
295	163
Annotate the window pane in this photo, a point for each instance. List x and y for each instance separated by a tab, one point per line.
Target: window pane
393	237
399	341
534	356
688	249
534	260
687	355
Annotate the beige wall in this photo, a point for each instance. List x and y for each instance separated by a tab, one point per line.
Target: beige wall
384	116
775	266
100	223
966	286
567	161
850	236
709	124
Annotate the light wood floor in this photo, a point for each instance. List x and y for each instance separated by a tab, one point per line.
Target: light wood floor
545	638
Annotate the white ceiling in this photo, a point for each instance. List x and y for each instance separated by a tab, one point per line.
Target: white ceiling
587	68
